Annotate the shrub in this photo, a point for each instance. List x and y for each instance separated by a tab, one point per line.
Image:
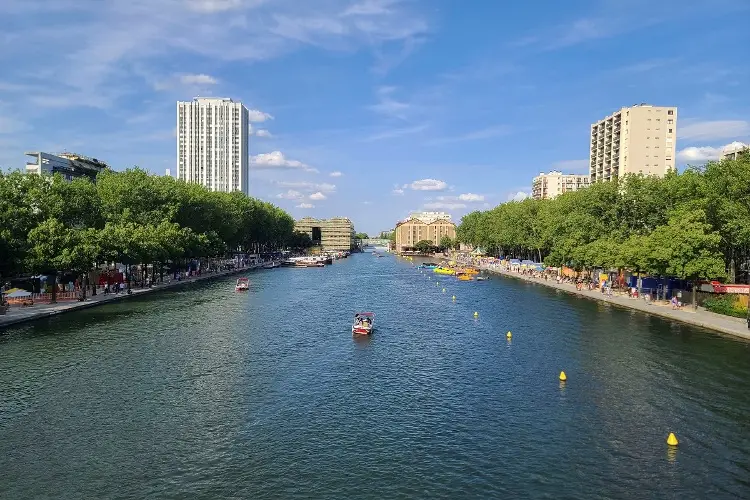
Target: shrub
726	304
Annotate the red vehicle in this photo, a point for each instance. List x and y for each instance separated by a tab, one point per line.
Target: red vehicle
364	322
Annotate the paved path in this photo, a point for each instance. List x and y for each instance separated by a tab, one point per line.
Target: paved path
701	317
17	314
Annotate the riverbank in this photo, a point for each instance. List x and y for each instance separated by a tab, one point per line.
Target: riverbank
18	314
706	319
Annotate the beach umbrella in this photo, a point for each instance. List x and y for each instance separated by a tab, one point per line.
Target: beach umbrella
18	294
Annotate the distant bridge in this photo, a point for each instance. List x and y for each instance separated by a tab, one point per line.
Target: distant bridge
375	242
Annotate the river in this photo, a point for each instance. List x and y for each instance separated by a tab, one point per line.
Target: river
201	392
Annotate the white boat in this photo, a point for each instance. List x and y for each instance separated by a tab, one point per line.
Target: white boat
243	285
364	322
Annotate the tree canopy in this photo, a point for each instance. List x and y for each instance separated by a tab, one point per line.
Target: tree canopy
694	224
132	217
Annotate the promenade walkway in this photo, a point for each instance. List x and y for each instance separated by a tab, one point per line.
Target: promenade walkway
700	317
17	314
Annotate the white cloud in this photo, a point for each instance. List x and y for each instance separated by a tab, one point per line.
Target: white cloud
519	196
428	185
471	197
257	116
336	174
485	133
443	205
571	166
309	187
305	205
715	130
318	196
367	203
199	79
397	190
369	8
290	195
702	154
276	160
263	133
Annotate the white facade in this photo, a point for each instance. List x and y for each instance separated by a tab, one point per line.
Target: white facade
212	144
734	150
551	185
430	217
69	165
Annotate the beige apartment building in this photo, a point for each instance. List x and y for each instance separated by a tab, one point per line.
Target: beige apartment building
336	234
432	226
548	186
641	139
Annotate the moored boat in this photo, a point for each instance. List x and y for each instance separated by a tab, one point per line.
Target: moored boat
364	322
243	285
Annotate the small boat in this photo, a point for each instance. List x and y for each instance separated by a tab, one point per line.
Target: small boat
483	278
243	285
364	322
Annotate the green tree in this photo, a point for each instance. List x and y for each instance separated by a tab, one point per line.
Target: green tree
362	236
424	246
446	243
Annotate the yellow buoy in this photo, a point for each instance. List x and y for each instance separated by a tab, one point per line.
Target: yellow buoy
563	377
508	335
443	290
476	314
454	298
672	439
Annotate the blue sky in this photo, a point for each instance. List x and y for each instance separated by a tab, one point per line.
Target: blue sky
371	109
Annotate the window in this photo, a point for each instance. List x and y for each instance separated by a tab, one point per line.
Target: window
670	112
670	130
670	121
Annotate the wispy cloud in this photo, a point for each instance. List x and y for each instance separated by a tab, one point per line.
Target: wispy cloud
444	205
476	135
263	133
309	187
336	174
388	105
318	196
257	116
397	132
715	130
305	205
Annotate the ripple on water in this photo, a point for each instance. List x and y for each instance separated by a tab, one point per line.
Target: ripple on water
206	393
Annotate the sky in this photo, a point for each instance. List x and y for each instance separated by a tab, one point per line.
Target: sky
371	109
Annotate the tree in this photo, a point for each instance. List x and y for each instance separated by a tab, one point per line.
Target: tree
362	236
686	248
446	243
424	246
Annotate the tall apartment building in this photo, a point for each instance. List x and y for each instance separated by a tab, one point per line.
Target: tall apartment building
69	165
432	226
212	143
641	139
548	186
336	234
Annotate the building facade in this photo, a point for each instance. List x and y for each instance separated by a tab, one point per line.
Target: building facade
641	139
548	186
336	234
431	226
734	150
69	165
212	144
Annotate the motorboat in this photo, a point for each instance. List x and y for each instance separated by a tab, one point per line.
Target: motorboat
243	285
427	265
364	322
483	278
444	270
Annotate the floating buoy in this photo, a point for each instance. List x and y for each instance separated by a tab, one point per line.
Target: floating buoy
563	377
454	298
508	335
443	290
476	314
672	439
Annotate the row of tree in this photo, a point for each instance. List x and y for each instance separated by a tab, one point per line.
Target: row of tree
49	225
694	224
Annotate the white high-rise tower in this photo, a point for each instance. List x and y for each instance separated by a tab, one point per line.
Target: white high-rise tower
212	143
